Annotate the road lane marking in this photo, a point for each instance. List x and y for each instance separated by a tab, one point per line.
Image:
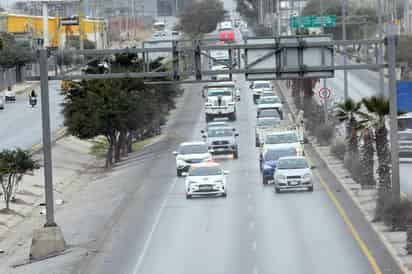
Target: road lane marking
249	208
348	222
154	227
254	246
251	225
249	195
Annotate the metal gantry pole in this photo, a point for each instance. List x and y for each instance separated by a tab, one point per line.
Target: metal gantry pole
393	122
345	72
278	12
46	137
380	49
45	24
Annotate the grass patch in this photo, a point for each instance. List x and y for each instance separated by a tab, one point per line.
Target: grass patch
140	144
99	147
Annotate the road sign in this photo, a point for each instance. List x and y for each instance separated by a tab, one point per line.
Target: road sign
404	95
324	93
313	21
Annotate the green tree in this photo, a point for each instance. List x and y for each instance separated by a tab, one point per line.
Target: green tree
201	17
378	110
13	165
347	112
13	53
367	152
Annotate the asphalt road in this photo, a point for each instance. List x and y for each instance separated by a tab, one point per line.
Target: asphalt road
21	125
253	230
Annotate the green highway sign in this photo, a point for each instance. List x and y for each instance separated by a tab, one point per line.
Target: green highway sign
313	21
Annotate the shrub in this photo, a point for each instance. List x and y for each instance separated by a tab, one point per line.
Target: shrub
338	149
324	133
396	216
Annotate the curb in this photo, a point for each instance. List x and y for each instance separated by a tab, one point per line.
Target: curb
57	135
381	236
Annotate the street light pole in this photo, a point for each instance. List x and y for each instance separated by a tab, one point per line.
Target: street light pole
345	72
393	122
45	24
380	49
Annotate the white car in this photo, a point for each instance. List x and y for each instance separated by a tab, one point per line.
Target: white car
10	95
258	87
271	102
293	173
190	153
205	179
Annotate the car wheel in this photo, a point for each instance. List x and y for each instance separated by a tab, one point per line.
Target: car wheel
257	143
188	196
277	190
264	180
310	189
208	118
224	194
179	173
236	154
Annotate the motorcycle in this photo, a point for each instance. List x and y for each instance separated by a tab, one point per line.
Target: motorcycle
33	101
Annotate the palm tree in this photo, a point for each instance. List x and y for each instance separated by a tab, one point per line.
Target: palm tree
367	151
347	112
378	108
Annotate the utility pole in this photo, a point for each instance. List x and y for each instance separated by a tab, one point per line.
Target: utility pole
325	100
45	24
345	72
380	49
393	122
278	12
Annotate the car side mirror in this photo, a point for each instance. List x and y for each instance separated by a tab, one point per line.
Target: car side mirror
226	172
312	167
233	129
236	134
175	153
202	131
211	150
204	136
184	174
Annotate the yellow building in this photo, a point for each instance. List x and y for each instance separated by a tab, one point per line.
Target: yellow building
32	26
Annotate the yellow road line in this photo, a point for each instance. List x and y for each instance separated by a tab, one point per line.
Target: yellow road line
348	223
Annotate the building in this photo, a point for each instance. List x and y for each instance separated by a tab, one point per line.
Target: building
30	28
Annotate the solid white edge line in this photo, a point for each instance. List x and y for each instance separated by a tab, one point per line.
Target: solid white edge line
154	227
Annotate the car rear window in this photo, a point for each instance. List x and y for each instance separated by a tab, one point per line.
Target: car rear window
285	138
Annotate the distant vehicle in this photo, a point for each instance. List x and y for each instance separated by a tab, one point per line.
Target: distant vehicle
10	95
257	88
216	124
293	173
205	179
1	103
266	93
159	25
271	102
268	160
405	144
220	101
222	140
405	122
268	113
263	126
190	153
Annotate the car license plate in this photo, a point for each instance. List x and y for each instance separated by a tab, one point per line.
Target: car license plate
294	183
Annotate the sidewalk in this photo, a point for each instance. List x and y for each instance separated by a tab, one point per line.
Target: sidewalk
365	200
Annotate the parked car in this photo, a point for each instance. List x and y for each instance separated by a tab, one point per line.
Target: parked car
293	173
205	179
269	158
190	153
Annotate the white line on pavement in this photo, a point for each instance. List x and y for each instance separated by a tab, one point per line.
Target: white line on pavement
251	225
254	246
154	227
255	270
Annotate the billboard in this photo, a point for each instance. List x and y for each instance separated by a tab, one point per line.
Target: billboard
404	95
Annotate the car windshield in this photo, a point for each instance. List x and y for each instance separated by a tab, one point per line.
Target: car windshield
219	132
219	92
292	163
269	100
285	138
193	149
274	154
268	113
205	171
268	122
261	85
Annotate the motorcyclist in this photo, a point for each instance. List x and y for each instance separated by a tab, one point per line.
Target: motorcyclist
33	94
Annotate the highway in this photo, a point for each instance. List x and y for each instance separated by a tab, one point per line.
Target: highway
253	230
21	125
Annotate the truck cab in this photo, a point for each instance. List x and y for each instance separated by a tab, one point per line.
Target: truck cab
220	101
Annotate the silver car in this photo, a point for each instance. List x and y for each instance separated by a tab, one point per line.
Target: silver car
293	173
222	140
405	144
